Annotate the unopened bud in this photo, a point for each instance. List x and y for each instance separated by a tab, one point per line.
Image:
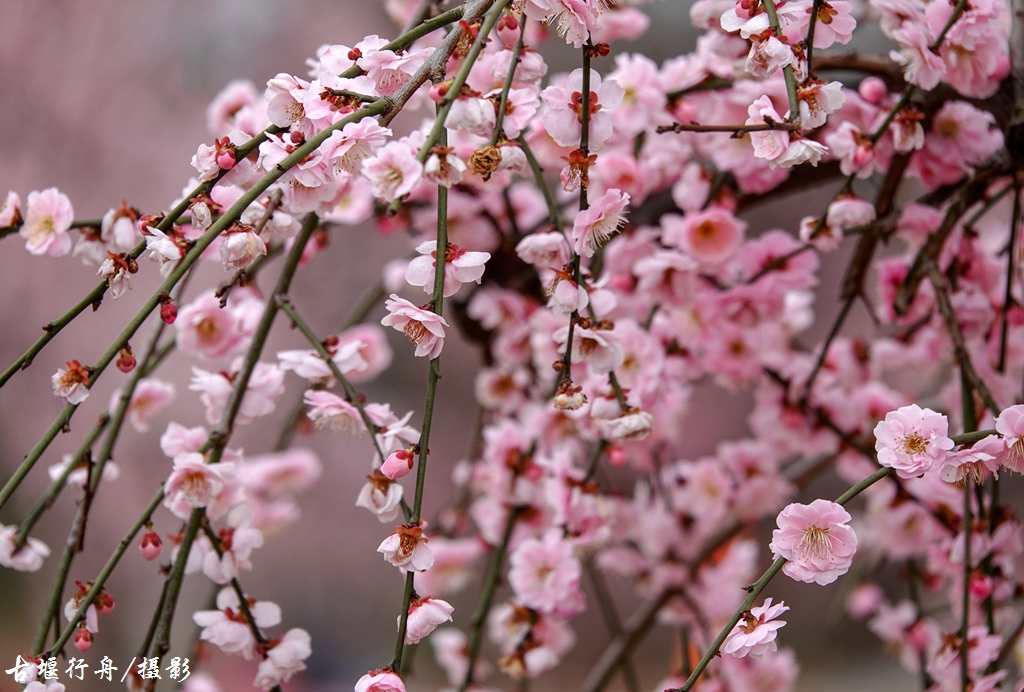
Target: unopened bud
126	360
168	313
150	545
83	639
104	603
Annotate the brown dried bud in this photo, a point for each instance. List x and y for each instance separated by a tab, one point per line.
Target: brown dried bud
485	161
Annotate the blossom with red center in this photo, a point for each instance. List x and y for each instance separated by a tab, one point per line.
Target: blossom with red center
460	267
912	440
815	540
563	114
599	222
711	237
424	328
407	549
195	483
71	382
754	635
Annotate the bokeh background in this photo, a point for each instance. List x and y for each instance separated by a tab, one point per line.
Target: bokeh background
106	100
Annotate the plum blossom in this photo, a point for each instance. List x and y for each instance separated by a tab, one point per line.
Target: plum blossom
460	267
48	217
151	396
912	440
563	116
973	463
71	382
285	658
195	483
381	496
755	633
768	144
407	549
240	246
380	681
629	425
599	222
354	143
545	575
227	627
572	19
425	614
328	410
711	237
264	388
393	171
398	464
815	540
817	101
921	66
10	210
424	328
28	558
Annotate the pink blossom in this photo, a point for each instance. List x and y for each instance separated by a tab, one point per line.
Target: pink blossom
78	477
835	23
767	56
460	267
544	250
598	348
29	558
382	497
815	540
393	171
71	382
921	66
10	210
151	396
407	549
912	440
398	464
565	295
425	614
600	221
768	144
443	167
800	150
755	633
630	425
284	96
354	143
974	463
178	439
227	627
285	658
424	328
711	237
563	118
119	229
374	351
195	483
818	100
545	575
854	150
452	569
239	247
1010	424
572	19
89	621
380	681
48	218
206	329
330	411
265	387
167	249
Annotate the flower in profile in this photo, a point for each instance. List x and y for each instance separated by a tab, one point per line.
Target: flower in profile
381	496
975	463
284	659
1010	424
195	482
629	425
28	558
815	540
595	225
423	327
407	548
380	681
912	440
332	412
425	614
754	635
71	382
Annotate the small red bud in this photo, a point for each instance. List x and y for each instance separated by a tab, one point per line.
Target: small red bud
126	360
150	545
104	603
355	54
83	639
616	456
168	313
226	160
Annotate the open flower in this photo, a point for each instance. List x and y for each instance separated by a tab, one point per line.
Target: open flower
423	327
595	225
71	382
815	540
406	548
545	575
912	440
754	634
381	496
425	614
194	482
460	267
227	627
48	217
1010	424
334	413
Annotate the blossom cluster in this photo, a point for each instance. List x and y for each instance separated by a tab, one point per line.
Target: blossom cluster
590	232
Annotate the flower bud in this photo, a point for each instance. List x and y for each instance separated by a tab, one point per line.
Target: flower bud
398	464
150	545
83	639
508	30
126	360
873	90
104	603
168	313
226	160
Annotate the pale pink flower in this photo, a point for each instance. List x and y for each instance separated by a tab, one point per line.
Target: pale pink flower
565	296
912	440
545	575
452	570
309	363
921	66
854	150
849	212
544	250
239	247
443	167
767	56
711	237
425	614
423	328
284	658
393	171
71	382
195	482
374	351
799	151
562	116
115	270
206	329
349	147
974	463
598	348
380	681
864	600
600	221
119	229
28	559
223	113
835	23
151	396
48	217
768	144
815	540
407	549
388	70
330	411
265	387
284	96
1010	424
178	439
10	210
90	619
755	633
238	539
818	100
78	477
630	425
227	627
398	464
382	497
460	266
572	19
165	249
